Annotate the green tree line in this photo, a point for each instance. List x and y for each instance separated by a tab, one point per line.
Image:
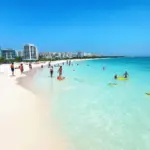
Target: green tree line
17	59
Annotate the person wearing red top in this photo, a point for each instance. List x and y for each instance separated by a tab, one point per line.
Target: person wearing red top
60	71
21	68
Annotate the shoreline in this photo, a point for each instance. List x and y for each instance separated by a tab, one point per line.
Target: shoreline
25	117
25	121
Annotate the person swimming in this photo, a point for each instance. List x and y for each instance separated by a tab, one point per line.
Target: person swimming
115	77
126	74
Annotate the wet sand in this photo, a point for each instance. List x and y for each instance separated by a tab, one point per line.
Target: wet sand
25	117
25	113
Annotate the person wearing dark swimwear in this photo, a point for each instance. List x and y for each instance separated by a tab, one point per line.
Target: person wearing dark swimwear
126	74
69	62
115	77
12	68
51	71
49	65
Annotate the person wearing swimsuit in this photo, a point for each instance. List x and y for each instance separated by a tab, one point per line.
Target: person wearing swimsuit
21	68
30	66
126	74
115	77
51	71
12	68
60	71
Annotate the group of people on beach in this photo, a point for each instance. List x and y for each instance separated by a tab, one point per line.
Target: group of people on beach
60	70
52	70
21	67
13	68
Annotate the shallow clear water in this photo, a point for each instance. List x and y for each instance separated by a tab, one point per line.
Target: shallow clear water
97	116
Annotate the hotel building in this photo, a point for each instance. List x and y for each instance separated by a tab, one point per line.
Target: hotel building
8	53
30	52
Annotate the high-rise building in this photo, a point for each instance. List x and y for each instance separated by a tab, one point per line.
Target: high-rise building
8	53
80	54
30	52
20	53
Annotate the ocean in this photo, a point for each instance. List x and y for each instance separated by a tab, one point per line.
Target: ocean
96	116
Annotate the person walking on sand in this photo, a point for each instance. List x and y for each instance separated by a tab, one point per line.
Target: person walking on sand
12	68
51	71
21	68
30	66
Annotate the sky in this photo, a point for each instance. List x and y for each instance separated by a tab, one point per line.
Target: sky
117	27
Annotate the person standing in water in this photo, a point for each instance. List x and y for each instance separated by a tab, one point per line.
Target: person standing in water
69	62
126	74
12	68
51	71
49	65
60	72
115	77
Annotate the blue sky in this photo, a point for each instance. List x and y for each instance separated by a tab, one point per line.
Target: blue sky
118	27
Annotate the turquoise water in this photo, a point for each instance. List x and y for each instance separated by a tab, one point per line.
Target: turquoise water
96	116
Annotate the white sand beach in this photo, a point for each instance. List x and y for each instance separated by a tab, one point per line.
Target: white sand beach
24	119
25	122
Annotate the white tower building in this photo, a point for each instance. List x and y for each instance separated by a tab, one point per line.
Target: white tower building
30	52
